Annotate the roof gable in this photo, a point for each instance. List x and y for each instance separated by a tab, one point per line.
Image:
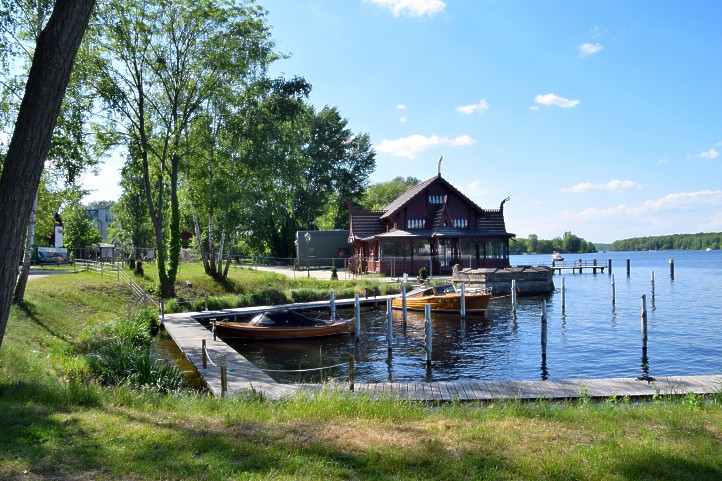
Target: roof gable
412	192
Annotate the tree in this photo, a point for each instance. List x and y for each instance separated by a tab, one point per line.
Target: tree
163	61
79	230
49	74
379	195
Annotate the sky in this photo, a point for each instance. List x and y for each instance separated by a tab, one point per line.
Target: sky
602	118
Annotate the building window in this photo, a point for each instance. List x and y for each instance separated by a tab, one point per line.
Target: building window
460	223
436	199
415	223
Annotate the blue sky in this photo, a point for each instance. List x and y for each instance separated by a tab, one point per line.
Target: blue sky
603	118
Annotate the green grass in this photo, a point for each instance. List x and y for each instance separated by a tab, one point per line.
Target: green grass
54	428
247	287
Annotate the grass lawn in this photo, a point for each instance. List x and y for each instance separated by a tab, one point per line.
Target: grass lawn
247	287
54	428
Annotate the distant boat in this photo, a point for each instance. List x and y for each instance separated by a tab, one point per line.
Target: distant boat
709	249
557	257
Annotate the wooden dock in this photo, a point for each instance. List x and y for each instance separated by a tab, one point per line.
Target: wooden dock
245	377
580	267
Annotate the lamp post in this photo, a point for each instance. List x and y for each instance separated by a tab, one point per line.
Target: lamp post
307	236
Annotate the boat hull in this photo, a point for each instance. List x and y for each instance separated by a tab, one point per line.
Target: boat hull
444	303
242	329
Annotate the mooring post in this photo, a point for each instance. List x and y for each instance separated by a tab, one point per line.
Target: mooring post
609	266
643	309
628	267
594	269
614	293
351	367
544	333
513	296
462	301
356	318
671	268
389	325
205	356
403	299
214	329
428	333
224	374
332	304
564	297
544	310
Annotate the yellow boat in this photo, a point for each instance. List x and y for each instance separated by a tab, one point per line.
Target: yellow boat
443	299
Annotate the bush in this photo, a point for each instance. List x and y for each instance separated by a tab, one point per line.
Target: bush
118	353
268	296
423	273
307	294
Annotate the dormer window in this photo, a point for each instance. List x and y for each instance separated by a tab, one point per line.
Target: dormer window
436	199
460	223
415	223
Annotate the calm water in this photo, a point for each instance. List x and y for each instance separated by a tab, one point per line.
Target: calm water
684	331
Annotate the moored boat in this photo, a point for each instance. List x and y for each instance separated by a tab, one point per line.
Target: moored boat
557	257
285	324
443	299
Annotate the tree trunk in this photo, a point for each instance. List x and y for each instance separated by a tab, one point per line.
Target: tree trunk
25	269
44	91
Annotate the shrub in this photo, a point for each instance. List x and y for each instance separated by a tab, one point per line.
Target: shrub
118	353
307	294
423	273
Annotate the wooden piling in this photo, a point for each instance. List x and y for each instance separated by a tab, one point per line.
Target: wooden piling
389	326
629	269
643	309
428	333
671	268
653	287
213	328
356	318
614	292
564	297
609	267
351	373
404	309
224	375
544	310
205	354
332	304
462	301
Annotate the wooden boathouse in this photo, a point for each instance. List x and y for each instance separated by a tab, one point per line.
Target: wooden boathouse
432	225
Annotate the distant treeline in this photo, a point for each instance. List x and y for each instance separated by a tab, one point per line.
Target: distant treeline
567	243
712	240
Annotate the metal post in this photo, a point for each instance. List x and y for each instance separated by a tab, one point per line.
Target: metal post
356	318
462	301
332	304
614	292
671	268
513	296
214	329
564	297
428	334
653	289
205	355
628	268
351	368
389	325
609	267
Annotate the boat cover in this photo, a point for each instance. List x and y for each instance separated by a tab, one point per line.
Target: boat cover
285	318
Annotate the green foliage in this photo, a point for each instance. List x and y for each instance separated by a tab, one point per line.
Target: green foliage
118	353
567	243
79	229
379	195
423	273
701	241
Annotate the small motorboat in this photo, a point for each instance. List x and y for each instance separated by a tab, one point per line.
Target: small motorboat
443	299
285	324
557	257
709	249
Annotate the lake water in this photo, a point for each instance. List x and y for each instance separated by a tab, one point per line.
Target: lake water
590	340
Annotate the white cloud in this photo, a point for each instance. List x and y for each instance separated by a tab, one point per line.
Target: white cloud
401	107
709	154
611	186
588	49
548	100
480	106
414	8
409	147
